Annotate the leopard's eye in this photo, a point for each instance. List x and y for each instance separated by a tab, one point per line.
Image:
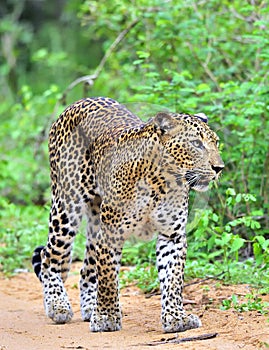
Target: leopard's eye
197	144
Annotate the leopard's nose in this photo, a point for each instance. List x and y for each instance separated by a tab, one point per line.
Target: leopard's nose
217	168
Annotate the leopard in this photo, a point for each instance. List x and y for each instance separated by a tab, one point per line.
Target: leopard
127	177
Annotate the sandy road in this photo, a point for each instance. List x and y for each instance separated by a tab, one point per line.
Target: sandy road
23	325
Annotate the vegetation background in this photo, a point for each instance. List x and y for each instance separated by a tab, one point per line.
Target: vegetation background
186	55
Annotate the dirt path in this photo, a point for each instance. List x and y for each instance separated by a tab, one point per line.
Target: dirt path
23	325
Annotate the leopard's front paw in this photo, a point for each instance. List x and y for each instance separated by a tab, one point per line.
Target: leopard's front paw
105	323
86	313
59	311
180	323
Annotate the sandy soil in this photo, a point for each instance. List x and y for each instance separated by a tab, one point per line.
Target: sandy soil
24	326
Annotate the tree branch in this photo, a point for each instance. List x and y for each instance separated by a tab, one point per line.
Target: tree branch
89	79
86	79
208	72
177	340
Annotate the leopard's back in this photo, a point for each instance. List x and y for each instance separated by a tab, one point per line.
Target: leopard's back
97	116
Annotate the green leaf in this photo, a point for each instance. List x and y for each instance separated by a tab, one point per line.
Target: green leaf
215	217
142	54
234	300
238	197
255	224
237	243
230	192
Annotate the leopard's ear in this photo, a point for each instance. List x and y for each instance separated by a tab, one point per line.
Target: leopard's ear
202	117
164	121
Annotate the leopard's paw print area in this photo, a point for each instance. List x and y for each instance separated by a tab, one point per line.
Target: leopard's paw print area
105	323
180	323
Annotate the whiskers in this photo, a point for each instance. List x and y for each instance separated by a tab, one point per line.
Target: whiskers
199	180
195	179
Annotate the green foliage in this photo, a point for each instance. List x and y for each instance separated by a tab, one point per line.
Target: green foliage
22	229
145	276
142	259
24	173
224	239
138	253
253	303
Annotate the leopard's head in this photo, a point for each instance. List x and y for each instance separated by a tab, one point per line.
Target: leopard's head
191	146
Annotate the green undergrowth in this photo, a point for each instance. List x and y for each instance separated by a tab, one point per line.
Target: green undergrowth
251	302
144	274
22	228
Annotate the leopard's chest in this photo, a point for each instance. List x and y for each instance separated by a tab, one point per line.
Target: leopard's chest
150	211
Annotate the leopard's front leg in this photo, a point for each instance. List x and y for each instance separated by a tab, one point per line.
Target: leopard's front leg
171	256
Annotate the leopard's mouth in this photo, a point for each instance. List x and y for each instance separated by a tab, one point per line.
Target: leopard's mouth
198	181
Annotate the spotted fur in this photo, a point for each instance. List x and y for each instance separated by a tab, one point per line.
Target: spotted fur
128	177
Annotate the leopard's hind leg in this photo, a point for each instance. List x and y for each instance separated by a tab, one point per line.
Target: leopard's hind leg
69	168
56	259
88	280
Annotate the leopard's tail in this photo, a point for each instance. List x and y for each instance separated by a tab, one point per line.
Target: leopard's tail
36	261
